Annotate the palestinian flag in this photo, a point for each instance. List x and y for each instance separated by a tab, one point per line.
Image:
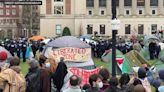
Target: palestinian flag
121	62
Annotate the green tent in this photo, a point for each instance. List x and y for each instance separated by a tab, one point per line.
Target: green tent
107	57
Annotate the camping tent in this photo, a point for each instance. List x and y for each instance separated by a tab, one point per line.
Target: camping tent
149	38
75	52
125	67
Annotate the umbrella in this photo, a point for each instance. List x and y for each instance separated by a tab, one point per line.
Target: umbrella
36	38
8	53
68	41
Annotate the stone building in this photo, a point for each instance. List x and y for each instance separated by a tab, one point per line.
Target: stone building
138	17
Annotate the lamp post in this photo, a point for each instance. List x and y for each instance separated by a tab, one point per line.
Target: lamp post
115	26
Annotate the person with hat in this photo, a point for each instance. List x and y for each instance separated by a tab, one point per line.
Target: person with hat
3	59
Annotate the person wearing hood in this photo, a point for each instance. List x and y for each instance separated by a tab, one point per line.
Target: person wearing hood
33	77
11	78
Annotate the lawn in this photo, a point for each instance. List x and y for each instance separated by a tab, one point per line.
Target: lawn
24	67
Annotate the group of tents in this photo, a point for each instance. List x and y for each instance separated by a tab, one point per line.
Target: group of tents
78	54
134	59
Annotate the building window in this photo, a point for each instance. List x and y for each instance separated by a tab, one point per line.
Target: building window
1	12
140	2
102	29
127	28
89	12
58	0
127	12
7	6
140	28
102	3
153	28
117	2
7	12
58	29
90	3
89	29
153	12
13	12
153	2
58	10
102	12
13	6
127	2
140	12
1	4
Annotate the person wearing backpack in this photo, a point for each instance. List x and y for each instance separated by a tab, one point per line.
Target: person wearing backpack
11	80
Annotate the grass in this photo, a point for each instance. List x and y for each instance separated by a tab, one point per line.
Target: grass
24	67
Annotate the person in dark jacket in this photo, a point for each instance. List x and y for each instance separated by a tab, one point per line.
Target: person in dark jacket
152	50
33	77
19	49
24	48
113	85
61	76
124	80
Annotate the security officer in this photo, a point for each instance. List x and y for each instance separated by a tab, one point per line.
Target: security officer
24	48
12	48
19	48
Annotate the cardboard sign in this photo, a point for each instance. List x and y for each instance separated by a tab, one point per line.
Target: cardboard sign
73	54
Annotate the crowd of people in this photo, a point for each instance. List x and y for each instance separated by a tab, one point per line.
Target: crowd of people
45	75
18	47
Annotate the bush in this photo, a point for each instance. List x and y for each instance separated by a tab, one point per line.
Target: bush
66	32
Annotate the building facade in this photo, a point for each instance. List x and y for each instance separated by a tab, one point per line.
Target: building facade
138	17
9	20
30	20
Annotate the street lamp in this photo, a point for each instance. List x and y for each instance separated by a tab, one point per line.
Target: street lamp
115	26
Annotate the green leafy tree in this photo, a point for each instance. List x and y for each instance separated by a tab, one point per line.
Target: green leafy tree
66	32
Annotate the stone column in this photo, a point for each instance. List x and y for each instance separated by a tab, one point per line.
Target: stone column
108	7
134	7
160	7
121	7
96	7
147	7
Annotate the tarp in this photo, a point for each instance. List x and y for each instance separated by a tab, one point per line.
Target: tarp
84	74
68	41
136	59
